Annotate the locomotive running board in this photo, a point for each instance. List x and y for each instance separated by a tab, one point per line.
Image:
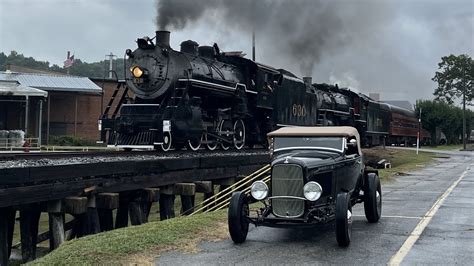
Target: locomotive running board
215	86
131	146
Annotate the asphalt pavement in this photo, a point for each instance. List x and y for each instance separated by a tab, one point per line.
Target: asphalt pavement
427	218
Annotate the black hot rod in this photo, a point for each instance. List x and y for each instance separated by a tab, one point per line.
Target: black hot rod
317	175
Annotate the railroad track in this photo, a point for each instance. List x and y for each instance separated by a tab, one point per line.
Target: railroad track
68	154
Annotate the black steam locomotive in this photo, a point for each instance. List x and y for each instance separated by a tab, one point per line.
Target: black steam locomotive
202	96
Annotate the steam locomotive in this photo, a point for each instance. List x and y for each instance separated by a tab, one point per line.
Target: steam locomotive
201	96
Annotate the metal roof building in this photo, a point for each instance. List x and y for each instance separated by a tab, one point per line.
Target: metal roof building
52	82
13	88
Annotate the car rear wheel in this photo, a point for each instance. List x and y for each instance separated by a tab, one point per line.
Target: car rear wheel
373	198
343	219
237	218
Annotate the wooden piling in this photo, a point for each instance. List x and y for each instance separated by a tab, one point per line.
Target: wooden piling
92	222
29	219
151	195
106	203
203	186
4	254
121	218
77	207
7	223
56	224
167	197
187	191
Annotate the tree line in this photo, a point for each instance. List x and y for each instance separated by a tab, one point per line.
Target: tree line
79	68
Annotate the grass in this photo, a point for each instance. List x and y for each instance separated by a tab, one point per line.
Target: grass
139	244
402	161
455	147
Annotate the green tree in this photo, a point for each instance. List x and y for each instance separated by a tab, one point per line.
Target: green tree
455	81
446	117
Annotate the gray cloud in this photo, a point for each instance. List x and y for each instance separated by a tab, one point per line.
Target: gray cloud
391	47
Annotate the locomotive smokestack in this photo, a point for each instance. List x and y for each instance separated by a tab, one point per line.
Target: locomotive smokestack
163	38
308	80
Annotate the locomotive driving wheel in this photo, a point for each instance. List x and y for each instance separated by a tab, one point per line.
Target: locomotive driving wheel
239	134
225	131
166	145
211	142
195	144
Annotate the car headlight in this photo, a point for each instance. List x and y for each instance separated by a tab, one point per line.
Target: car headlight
137	72
312	191
259	190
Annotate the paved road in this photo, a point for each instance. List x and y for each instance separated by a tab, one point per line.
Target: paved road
443	190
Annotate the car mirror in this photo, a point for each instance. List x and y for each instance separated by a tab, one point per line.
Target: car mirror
352	143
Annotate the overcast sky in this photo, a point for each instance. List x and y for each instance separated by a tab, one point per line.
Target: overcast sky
391	47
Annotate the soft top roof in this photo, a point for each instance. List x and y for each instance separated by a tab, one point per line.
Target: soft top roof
315	131
298	131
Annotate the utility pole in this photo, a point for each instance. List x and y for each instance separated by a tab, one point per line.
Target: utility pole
464	118
419	134
253	44
111	57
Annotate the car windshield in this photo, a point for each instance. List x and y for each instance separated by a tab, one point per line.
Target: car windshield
310	143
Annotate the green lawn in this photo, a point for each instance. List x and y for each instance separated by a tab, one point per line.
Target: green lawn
406	162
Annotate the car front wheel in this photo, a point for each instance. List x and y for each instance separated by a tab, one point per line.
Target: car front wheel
237	218
373	198
343	219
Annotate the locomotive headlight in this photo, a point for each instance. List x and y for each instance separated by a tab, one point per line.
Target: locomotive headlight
312	191
137	72
259	190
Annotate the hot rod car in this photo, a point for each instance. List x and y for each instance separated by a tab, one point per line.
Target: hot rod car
317	175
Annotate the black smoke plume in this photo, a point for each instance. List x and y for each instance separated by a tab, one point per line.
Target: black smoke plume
298	31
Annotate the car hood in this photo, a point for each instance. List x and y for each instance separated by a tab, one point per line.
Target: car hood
306	161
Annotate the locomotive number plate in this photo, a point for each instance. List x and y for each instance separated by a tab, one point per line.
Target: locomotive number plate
138	80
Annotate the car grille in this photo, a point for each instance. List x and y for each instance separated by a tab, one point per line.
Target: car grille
287	180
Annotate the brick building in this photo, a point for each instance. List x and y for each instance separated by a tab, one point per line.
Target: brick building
72	107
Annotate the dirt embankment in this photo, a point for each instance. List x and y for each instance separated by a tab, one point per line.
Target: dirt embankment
375	154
